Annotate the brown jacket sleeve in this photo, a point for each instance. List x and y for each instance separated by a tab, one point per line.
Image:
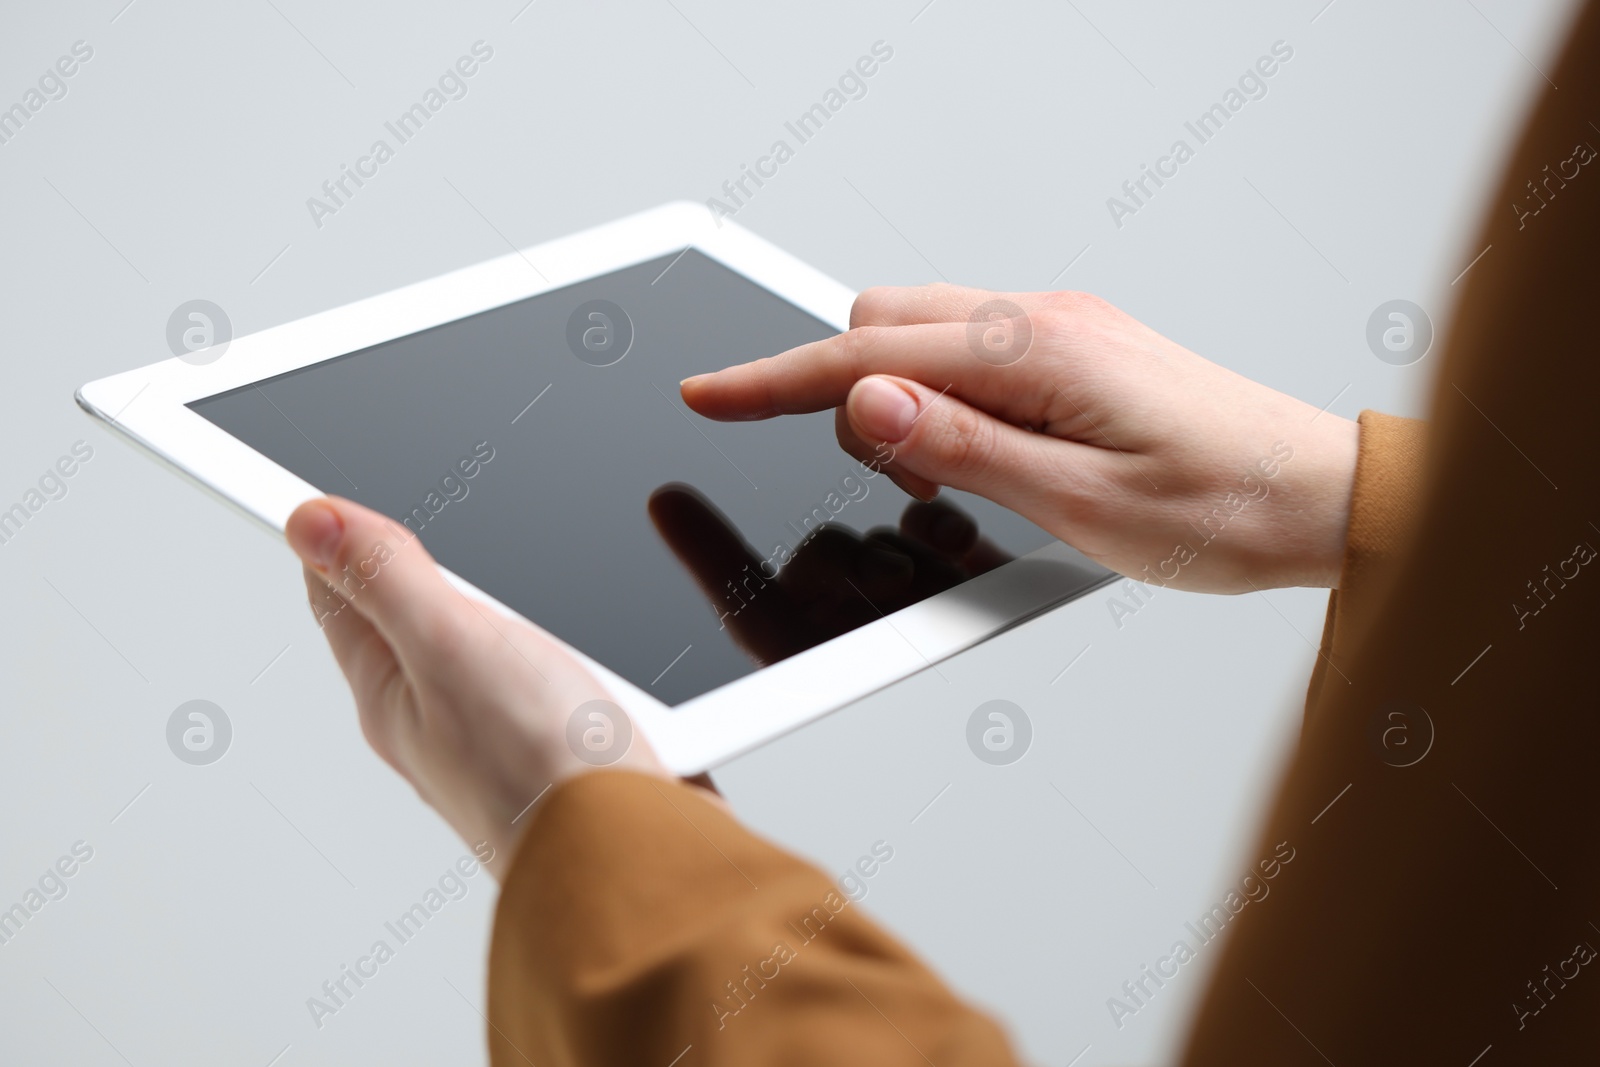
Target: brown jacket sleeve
1444	899
1383	508
640	920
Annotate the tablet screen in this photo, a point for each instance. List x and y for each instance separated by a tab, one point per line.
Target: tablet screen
542	452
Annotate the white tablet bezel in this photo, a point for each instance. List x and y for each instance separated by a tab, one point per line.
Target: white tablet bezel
147	406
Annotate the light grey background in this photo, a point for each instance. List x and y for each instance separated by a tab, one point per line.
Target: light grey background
178	166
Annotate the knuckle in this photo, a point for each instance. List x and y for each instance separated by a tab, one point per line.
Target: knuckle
1080	302
1072	311
963	441
1055	321
1073	317
448	633
765	373
872	306
855	347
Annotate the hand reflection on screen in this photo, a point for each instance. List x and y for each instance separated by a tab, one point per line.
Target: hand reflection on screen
834	581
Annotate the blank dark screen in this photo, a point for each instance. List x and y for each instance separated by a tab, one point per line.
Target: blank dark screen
555	524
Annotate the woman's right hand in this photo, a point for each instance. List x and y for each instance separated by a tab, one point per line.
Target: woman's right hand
1142	455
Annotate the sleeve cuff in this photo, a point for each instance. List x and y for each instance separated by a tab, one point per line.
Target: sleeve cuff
1384	504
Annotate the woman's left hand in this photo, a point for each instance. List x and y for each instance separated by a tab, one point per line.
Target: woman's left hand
472	708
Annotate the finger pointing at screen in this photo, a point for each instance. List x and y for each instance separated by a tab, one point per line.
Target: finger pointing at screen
1077	416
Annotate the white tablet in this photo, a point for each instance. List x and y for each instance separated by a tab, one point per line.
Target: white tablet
522	416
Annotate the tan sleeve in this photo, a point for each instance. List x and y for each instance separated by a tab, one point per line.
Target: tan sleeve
641	923
1441	807
1384	504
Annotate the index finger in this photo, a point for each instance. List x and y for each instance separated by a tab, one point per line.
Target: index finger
904	305
944	356
818	376
933	334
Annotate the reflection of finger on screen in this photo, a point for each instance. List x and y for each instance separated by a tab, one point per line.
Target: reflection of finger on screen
940	525
986	556
701	537
835	559
934	571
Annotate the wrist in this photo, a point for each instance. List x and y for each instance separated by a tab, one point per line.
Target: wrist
514	809
1311	515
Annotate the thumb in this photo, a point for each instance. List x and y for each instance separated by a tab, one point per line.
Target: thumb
382	571
949	442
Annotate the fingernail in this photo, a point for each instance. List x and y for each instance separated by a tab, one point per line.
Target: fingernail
882	409
693	378
314	532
